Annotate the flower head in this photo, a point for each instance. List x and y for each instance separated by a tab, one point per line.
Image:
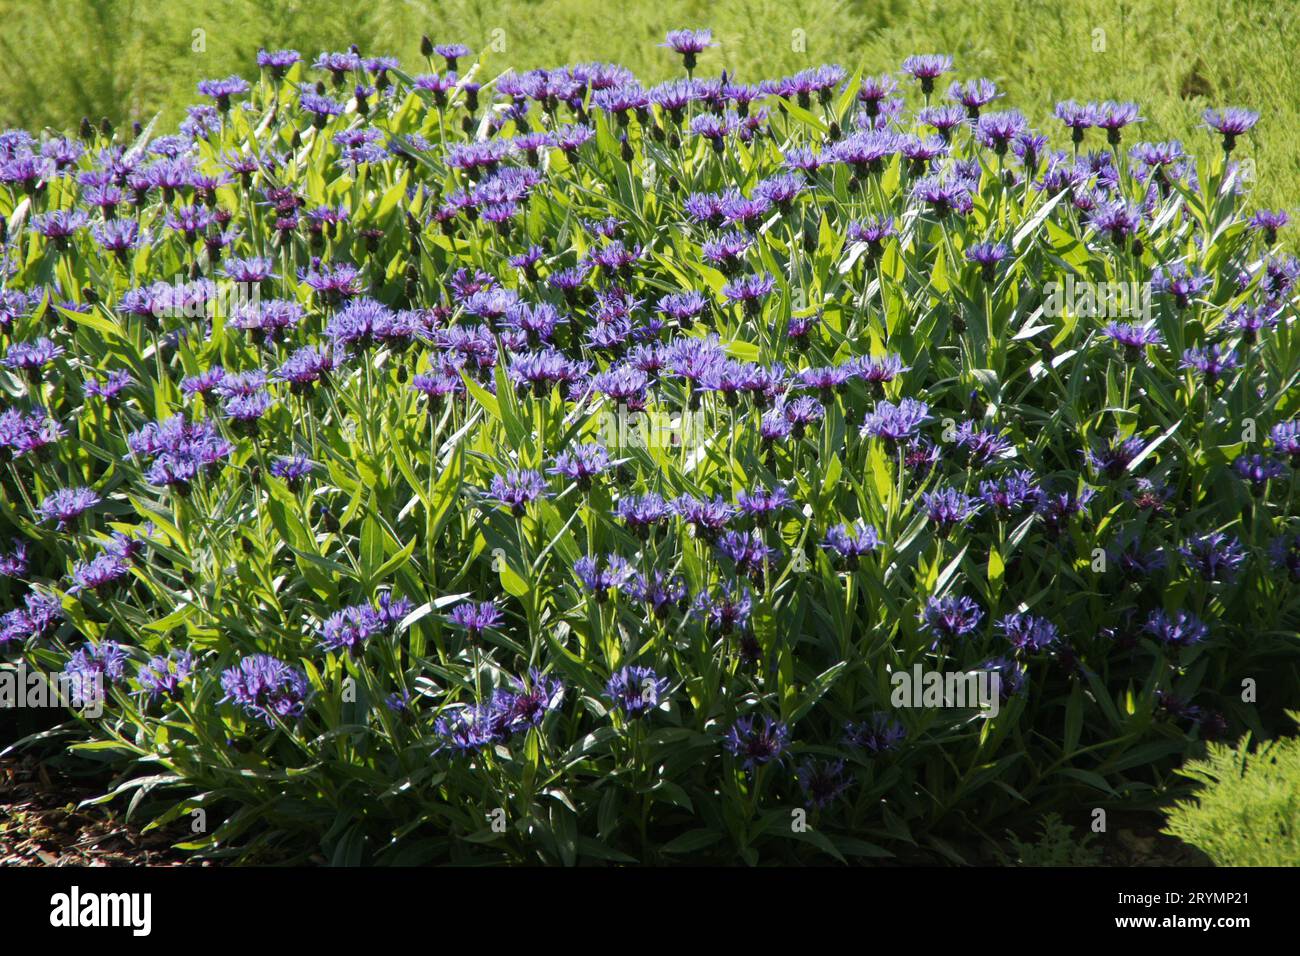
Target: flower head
266	688
757	741
636	690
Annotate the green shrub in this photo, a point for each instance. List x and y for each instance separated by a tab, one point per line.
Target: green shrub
1248	811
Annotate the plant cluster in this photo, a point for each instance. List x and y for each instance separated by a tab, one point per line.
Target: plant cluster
435	467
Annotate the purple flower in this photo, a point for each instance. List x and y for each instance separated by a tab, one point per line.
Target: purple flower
896	423
91	666
982	446
727	611
99	573
997	130
582	464
467	729
118	236
973	94
1181	629
689	41
948	507
684	307
277	61
879	371
749	291
706	516
246	409
38	615
451	52
747	551
1214	556
223	90
517	489
1057	509
1113	458
600	580
32	356
822	782
1077	118
878	734
1025	632
524	704
1114	117
866	151
641	512
1180	282
943	197
1251	321
476	617
987	255
1258	470
851	542
1119	220
660	593
13	564
110	387
266	688
926	68
292	470
1010	675
636	690
60	225
1212	362
307	366
943	119
950	617
66	505
757	742
164	675
1269	221
802	412
1230	123
1286	439
1133	338
349	629
1009	495
1134	564
762	503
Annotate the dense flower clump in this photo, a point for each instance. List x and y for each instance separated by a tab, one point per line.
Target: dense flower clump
424	442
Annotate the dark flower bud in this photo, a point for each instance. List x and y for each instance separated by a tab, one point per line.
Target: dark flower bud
87	129
106	128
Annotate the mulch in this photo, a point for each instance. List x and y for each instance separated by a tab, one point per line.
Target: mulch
41	825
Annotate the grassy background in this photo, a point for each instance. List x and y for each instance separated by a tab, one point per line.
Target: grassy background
129	59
